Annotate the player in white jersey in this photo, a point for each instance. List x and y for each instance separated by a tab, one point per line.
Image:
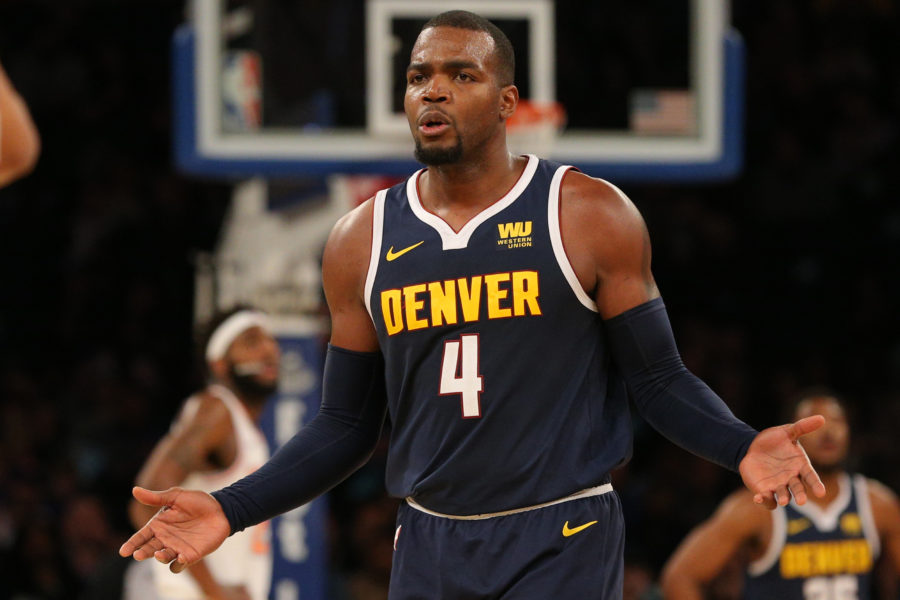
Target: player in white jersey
214	441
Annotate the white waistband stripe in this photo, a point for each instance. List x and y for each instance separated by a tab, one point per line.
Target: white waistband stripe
594	491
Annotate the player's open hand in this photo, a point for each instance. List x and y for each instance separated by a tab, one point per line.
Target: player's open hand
189	525
776	466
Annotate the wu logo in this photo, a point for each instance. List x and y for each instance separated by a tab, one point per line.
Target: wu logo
514	230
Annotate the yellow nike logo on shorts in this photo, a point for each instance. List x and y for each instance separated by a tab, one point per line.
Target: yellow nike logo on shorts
391	255
570	532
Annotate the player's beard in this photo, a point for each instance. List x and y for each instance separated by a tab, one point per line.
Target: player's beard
435	157
250	388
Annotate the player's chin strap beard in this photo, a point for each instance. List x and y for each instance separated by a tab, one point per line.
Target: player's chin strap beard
244	378
435	157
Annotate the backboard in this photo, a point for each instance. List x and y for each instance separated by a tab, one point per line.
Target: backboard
652	90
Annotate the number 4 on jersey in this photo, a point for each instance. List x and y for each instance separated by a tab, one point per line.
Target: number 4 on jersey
466	380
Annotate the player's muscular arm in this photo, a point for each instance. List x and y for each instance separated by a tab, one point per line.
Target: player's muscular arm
344	267
705	552
886	513
607	244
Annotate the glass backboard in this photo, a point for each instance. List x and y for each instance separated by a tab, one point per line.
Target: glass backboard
651	90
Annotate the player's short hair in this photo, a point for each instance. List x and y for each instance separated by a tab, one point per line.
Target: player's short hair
503	49
813	392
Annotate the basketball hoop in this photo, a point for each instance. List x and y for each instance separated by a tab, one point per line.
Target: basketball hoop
534	127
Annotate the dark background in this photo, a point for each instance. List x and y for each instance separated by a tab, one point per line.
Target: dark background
783	278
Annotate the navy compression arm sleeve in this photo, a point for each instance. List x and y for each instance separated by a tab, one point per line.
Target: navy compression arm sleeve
339	440
671	398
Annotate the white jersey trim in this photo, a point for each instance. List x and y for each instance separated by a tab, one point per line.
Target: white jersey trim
377	233
594	491
556	241
453	240
776	544
870	530
827	519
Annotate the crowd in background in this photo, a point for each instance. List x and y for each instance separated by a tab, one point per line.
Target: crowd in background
783	278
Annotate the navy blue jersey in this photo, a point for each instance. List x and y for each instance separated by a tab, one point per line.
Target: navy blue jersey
818	554
500	391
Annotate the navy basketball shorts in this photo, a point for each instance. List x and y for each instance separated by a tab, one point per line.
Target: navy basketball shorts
571	550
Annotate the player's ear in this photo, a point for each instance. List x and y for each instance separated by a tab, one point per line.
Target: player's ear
218	368
509	99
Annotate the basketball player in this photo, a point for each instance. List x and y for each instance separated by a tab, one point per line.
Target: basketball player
502	302
20	143
823	550
214	441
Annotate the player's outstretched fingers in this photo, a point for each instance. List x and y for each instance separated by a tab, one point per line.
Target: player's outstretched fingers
178	565
812	482
767	500
149	549
798	490
135	544
149	497
782	495
165	556
805	425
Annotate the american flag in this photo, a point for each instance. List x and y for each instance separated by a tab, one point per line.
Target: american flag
663	112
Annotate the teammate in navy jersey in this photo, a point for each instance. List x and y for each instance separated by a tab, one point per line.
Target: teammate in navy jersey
825	550
496	306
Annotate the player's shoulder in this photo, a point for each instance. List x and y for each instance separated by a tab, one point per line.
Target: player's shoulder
739	508
203	412
881	495
354	224
351	236
885	507
347	251
597	203
593	192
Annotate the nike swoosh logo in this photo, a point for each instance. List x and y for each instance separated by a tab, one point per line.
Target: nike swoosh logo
570	532
795	526
391	255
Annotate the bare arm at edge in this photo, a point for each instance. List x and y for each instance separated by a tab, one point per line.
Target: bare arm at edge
20	143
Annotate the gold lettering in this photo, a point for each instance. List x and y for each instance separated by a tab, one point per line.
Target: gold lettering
392	309
525	292
413	305
443	302
506	229
813	559
495	295
470	298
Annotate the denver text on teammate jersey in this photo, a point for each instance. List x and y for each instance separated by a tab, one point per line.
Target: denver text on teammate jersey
832	557
422	305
